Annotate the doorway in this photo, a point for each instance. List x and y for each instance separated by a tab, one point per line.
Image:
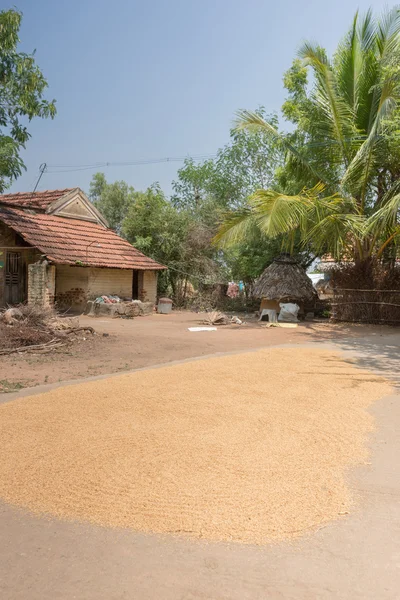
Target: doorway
137	285
14	278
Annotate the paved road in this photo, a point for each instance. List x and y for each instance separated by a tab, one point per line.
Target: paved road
356	558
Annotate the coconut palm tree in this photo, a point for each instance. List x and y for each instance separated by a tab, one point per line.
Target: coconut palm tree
345	147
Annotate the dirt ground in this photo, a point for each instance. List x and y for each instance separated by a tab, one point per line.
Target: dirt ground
122	345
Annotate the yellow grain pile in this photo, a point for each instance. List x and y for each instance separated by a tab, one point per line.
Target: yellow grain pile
251	447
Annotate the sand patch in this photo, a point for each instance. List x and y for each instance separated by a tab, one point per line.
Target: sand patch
251	447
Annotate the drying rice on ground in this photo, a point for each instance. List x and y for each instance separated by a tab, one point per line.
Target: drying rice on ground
252	447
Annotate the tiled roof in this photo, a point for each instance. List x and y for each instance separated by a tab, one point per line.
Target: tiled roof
36	200
76	242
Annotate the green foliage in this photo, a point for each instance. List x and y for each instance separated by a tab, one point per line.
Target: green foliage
339	186
177	238
153	226
22	85
214	188
111	199
240	167
248	259
172	237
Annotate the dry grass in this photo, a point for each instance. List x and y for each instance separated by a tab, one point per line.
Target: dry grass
29	325
252	447
215	317
21	334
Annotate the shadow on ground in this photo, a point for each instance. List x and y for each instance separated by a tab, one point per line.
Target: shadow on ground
377	349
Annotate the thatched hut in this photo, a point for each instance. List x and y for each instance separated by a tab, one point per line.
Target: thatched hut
284	280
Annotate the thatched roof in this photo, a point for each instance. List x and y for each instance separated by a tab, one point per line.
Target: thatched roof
284	279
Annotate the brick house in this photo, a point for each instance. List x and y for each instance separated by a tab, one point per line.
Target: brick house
56	246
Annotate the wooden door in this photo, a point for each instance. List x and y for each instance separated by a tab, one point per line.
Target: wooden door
14	280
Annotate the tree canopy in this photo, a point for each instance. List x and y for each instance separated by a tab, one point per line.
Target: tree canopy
246	163
339	186
22	86
179	232
112	199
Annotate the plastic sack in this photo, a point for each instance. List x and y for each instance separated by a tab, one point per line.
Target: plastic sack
288	312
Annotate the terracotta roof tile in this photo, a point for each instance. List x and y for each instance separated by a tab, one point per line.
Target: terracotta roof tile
72	241
36	200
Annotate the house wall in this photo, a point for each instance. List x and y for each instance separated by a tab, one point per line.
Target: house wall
113	282
77	209
76	285
7	235
71	287
148	293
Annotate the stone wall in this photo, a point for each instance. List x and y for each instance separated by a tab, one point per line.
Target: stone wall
41	283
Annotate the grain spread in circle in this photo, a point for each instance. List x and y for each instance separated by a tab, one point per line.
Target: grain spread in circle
251	447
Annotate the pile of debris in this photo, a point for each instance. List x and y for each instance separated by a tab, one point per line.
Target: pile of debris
30	328
218	318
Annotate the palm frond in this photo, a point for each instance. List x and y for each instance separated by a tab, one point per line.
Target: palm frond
367	31
276	213
236	227
338	116
388	32
348	65
335	233
358	173
388	216
393	239
271	212
314	56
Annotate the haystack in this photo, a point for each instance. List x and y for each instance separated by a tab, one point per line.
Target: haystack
284	280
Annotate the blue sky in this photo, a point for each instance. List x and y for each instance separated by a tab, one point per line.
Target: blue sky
145	80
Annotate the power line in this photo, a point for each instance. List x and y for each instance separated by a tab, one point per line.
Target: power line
139	162
71	168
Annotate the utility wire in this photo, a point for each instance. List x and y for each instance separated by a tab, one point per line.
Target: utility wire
59	168
100	165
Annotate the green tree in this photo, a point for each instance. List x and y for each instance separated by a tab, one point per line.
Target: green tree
209	189
340	182
111	199
22	85
172	237
245	164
